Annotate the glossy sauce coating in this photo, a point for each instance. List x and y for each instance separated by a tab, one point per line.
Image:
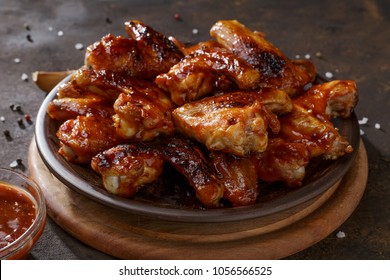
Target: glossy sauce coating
17	214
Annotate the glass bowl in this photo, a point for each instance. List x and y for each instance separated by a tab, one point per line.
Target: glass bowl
21	199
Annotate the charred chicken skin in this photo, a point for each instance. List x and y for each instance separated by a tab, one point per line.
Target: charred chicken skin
189	160
157	50
275	69
146	54
228	114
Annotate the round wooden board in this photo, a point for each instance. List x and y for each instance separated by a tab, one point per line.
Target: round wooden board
128	236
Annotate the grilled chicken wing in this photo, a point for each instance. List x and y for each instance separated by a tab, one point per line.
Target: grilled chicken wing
84	137
147	54
126	168
276	70
329	100
89	83
309	122
188	159
235	123
117	54
143	113
282	161
69	108
320	136
204	71
156	49
238	176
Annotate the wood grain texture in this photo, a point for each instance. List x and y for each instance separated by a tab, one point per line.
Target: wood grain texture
129	236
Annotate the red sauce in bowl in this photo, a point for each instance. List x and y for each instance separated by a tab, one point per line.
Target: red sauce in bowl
17	213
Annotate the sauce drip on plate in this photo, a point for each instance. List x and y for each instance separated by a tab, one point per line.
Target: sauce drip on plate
17	213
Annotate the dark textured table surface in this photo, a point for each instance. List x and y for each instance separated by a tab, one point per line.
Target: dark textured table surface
352	36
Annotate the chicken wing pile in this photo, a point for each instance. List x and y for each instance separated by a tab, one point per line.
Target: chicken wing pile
232	114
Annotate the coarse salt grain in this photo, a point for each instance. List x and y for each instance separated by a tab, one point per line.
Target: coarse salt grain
79	46
297	56
195	31
16	60
329	75
60	33
2	119
24	77
341	234
361	132
14	164
377	126
307	56
364	120
50	28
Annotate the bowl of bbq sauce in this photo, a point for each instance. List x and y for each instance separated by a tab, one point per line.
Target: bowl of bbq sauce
22	214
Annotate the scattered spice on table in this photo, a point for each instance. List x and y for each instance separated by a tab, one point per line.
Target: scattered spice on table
29	38
20	121
27	117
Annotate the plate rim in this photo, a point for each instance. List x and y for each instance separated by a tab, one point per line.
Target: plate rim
258	210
